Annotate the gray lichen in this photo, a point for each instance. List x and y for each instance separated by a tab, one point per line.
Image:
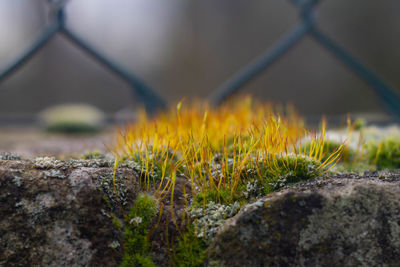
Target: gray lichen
254	189
208	220
54	174
107	186
17	181
52	163
9	156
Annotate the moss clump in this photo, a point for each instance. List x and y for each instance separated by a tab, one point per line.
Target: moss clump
359	124
222	196
278	171
93	155
261	178
137	223
330	146
71	127
385	154
190	250
116	222
72	118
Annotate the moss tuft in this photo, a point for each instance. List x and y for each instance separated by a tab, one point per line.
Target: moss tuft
190	251
93	155
137	223
385	154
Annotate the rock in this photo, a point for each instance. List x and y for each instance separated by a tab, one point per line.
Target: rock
58	213
327	222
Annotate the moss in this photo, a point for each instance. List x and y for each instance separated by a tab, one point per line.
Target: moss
153	168
136	243
330	146
93	155
116	222
190	250
222	196
71	127
72	118
359	124
106	201
283	170
385	154
358	167
286	170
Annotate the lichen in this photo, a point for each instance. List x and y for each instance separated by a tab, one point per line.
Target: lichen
208	219
9	156
54	174
254	189
17	181
46	163
107	186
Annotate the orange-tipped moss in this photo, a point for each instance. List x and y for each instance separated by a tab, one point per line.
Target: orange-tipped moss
216	149
230	155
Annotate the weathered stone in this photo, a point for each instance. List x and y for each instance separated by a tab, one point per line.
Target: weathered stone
326	222
59	213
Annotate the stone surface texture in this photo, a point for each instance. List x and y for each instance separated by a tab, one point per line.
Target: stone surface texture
326	222
59	213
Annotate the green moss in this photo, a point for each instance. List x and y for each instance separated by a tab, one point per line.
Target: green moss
359	124
137	223
359	166
330	146
71	127
272	174
153	168
222	196
287	169
116	222
190	250
93	155
106	201
385	154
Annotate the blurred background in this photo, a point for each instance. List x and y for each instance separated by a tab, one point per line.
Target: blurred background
188	48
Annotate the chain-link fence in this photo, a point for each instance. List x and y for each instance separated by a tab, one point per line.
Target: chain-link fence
389	98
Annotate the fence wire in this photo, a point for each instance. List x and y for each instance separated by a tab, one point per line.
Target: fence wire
388	97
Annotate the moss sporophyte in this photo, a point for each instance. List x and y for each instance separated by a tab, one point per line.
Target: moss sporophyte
229	155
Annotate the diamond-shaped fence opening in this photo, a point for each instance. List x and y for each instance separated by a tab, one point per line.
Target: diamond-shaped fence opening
389	98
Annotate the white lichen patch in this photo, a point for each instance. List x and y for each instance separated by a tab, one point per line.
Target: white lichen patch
114	244
136	221
17	181
208	220
9	156
54	174
254	189
46	163
107	186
